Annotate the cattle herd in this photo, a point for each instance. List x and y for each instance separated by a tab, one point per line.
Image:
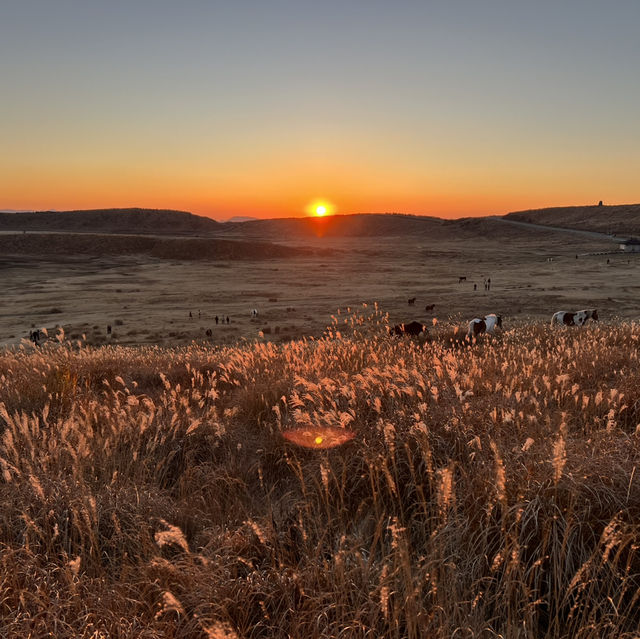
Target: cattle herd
489	323
476	326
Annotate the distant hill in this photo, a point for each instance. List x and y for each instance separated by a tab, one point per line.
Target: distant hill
166	222
391	225
357	225
143	221
241	218
623	219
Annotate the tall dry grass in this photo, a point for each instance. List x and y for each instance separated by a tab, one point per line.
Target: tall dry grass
491	490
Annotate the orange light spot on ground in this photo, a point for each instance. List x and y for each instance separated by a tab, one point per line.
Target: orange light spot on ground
320	438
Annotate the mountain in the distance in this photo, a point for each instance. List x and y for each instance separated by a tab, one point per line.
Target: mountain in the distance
356	225
129	221
240	218
620	220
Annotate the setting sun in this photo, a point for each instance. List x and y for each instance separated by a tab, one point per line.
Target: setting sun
320	208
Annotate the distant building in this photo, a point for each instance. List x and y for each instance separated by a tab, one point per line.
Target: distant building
632	245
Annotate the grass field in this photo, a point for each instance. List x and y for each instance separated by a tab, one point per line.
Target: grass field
490	489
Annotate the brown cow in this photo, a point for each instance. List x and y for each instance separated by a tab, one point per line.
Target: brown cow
412	328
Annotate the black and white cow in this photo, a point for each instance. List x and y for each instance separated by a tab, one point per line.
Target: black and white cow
487	324
576	318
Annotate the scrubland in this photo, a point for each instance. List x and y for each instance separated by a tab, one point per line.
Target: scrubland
490	489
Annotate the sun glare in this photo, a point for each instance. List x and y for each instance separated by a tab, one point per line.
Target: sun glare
320	208
320	437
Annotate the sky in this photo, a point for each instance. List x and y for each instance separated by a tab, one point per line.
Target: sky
261	108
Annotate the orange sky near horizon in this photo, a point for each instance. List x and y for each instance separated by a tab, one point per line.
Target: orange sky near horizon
288	192
258	109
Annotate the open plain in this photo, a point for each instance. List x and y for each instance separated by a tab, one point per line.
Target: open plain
170	294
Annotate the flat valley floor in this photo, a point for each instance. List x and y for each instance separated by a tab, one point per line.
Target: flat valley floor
150	301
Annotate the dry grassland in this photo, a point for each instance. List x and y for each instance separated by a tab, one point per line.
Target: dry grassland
490	490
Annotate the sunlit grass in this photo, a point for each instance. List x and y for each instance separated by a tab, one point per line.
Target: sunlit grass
479	490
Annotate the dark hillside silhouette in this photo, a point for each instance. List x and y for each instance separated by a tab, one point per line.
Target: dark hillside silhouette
142	221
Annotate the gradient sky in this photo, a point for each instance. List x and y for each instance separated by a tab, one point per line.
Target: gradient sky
452	108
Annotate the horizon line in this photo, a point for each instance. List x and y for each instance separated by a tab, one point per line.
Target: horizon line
250	217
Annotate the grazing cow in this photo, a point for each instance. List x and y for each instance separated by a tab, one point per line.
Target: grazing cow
487	324
578	318
429	307
411	301
412	328
462	278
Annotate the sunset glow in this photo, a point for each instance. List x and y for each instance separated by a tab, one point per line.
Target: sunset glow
320	208
414	111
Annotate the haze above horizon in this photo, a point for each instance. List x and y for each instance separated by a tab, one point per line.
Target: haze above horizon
261	109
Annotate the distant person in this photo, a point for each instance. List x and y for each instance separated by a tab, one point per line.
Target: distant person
209	333
227	319
198	314
489	284
108	329
190	314
475	287
216	319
